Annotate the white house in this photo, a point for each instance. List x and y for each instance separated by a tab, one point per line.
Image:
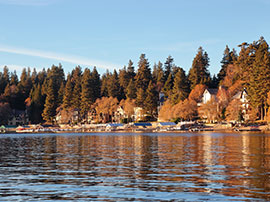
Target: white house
208	94
243	97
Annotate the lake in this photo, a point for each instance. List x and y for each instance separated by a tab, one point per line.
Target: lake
135	167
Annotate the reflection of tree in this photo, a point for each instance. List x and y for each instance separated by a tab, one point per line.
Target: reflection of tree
226	164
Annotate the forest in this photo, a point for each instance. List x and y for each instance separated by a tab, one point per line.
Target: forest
45	93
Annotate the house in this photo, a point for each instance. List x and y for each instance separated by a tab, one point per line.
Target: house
119	115
243	97
18	117
208	94
71	116
138	114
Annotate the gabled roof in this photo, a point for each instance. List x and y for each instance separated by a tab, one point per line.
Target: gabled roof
212	91
239	94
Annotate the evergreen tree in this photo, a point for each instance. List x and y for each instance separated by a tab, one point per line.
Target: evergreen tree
87	95
68	94
214	82
36	106
228	58
25	84
96	84
143	75
131	90
49	107
14	78
104	82
180	89
167	89
168	65
61	93
199	74
130	70
114	86
123	81
151	100
140	97
258	84
76	93
41	76
34	76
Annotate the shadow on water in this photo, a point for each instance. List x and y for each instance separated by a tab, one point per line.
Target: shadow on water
135	167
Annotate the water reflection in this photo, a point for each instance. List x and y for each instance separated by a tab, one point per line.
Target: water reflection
145	167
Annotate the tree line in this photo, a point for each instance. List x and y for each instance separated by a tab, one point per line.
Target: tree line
47	92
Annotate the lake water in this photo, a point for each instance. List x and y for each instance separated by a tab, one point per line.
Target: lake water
135	167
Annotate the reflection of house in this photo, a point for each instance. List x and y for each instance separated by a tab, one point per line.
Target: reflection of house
208	94
18	117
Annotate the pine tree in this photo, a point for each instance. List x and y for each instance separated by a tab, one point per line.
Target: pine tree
14	78
168	65
140	97
49	107
25	84
131	90
228	58
87	95
258	84
76	82
104	84
68	94
167	89
61	93
114	86
180	89
151	100
143	75
123	81
130	70
34	76
37	104
199	74
96	84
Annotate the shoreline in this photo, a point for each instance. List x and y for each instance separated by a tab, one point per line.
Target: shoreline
54	131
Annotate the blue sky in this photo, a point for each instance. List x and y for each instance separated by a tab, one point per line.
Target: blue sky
106	33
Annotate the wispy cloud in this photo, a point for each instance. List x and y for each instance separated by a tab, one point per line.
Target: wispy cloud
29	2
59	57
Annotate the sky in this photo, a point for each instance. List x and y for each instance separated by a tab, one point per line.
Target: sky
107	34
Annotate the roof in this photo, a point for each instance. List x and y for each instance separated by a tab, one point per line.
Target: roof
114	125
239	94
167	123
212	91
142	124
